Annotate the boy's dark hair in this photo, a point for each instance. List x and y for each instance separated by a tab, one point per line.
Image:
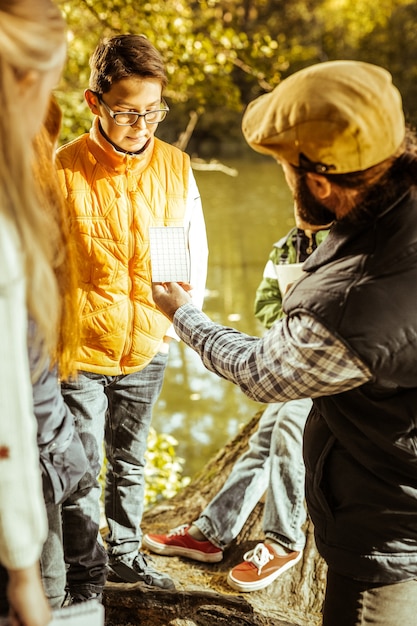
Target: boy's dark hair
124	56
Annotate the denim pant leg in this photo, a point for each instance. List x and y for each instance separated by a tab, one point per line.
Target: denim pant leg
223	518
52	562
85	556
285	511
351	602
131	401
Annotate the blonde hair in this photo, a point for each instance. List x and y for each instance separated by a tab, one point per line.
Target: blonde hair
32	37
64	264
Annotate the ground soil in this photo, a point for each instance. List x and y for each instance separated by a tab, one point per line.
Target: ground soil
202	596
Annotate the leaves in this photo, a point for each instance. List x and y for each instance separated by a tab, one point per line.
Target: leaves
221	54
163	469
163	472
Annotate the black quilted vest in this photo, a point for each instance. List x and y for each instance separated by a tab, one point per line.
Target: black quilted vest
360	447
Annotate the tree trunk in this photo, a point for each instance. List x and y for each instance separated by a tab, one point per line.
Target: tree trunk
202	596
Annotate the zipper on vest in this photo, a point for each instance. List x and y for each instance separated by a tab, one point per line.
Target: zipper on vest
131	241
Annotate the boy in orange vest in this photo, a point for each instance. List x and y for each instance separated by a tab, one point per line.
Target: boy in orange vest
120	181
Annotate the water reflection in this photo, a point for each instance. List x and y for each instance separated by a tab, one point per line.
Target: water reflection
244	216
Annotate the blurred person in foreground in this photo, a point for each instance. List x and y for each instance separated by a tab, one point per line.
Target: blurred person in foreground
62	457
349	338
32	54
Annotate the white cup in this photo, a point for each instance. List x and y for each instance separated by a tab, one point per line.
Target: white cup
288	274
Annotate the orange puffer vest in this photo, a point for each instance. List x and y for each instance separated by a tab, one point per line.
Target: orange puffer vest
113	200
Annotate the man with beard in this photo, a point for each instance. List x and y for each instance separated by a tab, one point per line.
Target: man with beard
349	339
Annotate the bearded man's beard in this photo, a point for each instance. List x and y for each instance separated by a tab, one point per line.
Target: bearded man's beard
309	208
370	202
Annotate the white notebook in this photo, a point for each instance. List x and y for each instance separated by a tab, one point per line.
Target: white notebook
169	254
89	613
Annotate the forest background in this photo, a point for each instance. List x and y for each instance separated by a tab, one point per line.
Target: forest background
221	54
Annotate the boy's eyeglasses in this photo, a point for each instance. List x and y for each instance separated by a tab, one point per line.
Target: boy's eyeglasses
129	118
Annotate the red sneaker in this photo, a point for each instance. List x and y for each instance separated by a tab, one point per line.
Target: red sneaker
260	568
178	542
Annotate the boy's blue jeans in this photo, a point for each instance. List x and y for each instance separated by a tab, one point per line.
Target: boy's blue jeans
272	463
118	411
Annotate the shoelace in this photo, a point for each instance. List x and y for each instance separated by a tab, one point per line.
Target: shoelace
179	530
259	557
144	560
145	565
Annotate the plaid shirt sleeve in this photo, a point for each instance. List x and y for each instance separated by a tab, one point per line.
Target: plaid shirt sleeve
297	358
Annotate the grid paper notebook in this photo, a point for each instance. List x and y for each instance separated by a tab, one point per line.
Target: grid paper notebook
84	614
169	254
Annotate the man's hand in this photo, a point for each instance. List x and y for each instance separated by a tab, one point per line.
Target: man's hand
168	297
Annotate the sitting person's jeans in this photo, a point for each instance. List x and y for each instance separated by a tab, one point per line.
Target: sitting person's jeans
272	463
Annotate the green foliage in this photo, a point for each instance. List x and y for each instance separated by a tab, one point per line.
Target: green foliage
381	45
163	470
220	54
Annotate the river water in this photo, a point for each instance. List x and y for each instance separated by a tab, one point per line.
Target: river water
245	214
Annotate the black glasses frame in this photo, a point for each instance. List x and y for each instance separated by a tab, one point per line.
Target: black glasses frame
135	115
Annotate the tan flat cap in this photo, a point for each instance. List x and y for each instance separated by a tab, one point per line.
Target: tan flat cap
341	116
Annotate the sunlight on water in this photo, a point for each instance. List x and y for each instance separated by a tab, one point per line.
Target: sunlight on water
244	216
